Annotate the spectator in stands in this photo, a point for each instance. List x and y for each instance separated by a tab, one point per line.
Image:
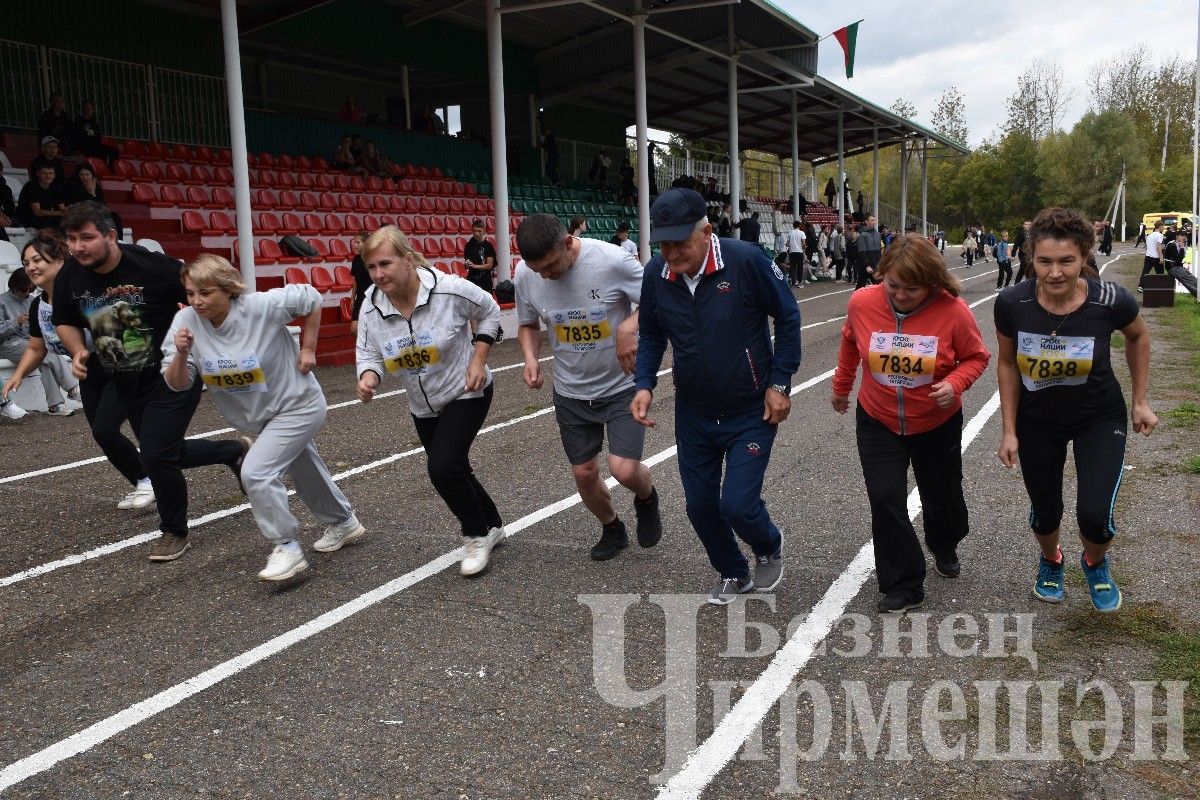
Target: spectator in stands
48	157
621	239
56	122
356	146
711	193
749	229
350	111
578	225
725	222
343	157
651	153
598	171
8	210
795	249
362	278
372	162
14	338
859	202
830	192
87	136
85	186
628	185
41	204
550	148
428	121
480	257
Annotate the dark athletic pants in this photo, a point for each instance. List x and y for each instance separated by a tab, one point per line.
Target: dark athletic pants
936	458
796	264
1099	447
1150	263
1004	276
870	258
105	415
447	440
160	419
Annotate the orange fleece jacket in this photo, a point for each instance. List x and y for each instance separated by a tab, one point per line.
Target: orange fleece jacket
961	357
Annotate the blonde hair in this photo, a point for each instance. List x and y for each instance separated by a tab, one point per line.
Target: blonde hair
393	237
209	270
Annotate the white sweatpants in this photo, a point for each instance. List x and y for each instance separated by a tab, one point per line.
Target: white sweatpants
286	445
51	370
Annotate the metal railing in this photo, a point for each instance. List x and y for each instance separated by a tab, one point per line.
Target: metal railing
190	108
21	99
118	88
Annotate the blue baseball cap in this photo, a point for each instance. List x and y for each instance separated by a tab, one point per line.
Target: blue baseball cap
674	215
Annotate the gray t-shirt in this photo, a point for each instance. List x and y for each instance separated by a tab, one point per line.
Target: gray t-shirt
582	311
249	363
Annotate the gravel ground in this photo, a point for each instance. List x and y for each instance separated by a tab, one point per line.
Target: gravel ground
441	687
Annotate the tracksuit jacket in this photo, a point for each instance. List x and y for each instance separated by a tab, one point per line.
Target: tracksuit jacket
721	346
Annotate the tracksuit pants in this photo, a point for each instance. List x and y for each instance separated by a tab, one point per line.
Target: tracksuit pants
13	348
1150	263
720	512
285	444
106	414
936	458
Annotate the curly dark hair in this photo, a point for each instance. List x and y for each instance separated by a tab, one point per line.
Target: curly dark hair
1065	224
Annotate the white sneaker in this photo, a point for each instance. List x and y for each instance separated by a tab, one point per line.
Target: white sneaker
72	404
60	410
11	410
476	552
286	560
141	496
338	535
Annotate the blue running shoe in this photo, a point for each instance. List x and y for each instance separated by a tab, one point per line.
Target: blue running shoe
1106	595
1049	585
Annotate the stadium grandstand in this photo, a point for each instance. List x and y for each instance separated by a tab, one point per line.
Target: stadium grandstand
217	125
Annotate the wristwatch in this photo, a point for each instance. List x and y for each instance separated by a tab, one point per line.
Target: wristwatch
782	388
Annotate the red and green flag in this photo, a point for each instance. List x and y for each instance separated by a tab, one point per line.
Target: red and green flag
848	37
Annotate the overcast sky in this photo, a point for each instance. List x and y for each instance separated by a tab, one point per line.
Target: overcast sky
916	50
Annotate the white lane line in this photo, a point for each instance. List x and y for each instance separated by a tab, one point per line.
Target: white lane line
706	761
99	459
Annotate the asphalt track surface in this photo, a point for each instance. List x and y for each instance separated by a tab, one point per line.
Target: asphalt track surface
381	673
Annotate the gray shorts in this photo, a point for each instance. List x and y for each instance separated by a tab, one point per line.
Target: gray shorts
581	425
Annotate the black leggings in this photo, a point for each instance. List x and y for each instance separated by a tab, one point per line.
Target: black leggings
1099	446
936	458
1150	263
105	414
447	440
1004	276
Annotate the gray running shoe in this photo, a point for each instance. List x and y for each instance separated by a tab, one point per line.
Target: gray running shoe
728	589
768	570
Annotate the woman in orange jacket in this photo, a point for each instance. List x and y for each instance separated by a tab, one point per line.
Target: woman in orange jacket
920	349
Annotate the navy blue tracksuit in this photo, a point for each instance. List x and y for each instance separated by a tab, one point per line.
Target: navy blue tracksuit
724	361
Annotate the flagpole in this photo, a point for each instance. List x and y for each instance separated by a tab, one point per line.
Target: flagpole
847	25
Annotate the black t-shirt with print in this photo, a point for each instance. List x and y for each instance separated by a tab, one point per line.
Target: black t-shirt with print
1055	366
128	312
47	198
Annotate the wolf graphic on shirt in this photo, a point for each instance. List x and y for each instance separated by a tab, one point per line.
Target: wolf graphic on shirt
123	343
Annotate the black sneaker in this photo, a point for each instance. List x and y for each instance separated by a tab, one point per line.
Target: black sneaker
948	566
236	466
900	600
613	540
649	523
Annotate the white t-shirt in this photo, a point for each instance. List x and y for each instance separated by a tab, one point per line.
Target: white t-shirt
1154	244
796	241
582	311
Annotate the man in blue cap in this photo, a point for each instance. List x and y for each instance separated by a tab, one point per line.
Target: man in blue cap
710	298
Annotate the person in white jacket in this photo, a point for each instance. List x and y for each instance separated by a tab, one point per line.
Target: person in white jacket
239	345
434	331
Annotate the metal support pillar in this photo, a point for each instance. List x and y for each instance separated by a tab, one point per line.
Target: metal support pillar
642	123
407	97
841	179
237	140
903	186
495	46
875	172
735	161
925	187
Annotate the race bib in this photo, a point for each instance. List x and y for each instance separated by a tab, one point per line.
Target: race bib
1054	360
415	355
582	330
238	375
902	361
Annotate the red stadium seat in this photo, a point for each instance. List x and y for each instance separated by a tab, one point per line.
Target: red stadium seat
354	223
423	171
387	219
288	201
290	223
343	280
144	193
322	281
418	243
420	225
98	166
334	224
456	205
322	250
345	202
451	248
201	175
263	198
396	204
374	184
437	225
223	175
284	180
320	164
469	190
490	224
420	186
294	275
305	181
406	186
312	225
309	201
179	152
371	222
362	203
156	150
428	206
132	148
193	222
285	162
325	181
346	309
172	197
440	206
304	163
149	171
341	183
219	221
357	184
222	197
269	250
223	156
268	223
198	195
124	169
267	178
380	203
435	172
404	224
340	250
204	155
266	160
328	202
412	205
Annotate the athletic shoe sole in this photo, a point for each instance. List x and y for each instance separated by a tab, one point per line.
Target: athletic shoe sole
1045	598
295	569
938	569
353	536
908	607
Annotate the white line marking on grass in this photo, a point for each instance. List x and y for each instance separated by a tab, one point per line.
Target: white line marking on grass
706	761
99	459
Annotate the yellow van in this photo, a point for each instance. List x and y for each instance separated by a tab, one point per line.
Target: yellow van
1168	218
